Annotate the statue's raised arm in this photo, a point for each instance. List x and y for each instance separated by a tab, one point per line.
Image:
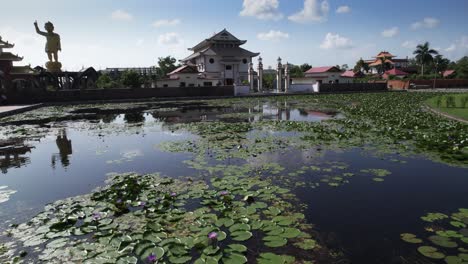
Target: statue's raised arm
38	31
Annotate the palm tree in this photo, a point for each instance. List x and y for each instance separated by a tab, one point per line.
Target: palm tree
424	54
383	64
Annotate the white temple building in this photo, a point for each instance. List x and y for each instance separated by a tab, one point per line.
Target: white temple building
218	60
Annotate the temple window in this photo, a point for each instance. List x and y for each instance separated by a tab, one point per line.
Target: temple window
211	60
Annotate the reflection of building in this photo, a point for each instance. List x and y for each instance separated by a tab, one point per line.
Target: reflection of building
216	60
11	154
65	149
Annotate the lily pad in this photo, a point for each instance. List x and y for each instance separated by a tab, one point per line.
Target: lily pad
431	252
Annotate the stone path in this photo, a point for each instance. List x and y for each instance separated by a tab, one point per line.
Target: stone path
437	112
8	110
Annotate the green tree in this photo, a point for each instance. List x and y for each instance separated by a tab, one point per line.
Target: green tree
461	68
268	81
440	64
305	67
106	82
131	79
424	55
344	67
296	72
384	65
361	65
166	65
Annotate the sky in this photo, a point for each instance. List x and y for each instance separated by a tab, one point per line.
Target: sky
134	33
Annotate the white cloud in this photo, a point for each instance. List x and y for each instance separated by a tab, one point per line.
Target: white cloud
390	32
121	15
335	41
169	39
409	44
273	35
428	22
313	11
451	48
166	23
261	9
343	9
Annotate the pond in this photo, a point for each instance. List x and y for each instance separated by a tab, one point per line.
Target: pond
357	178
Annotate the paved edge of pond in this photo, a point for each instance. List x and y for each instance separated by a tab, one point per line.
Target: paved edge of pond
437	112
9	110
165	99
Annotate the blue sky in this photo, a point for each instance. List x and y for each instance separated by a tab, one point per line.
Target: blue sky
121	33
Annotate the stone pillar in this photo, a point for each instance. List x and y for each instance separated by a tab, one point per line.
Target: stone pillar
279	76
251	77
260	75
286	77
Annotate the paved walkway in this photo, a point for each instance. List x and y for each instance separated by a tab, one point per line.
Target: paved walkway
8	110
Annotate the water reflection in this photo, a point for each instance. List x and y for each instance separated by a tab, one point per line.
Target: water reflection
64	146
12	153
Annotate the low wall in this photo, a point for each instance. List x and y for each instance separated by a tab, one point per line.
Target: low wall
301	88
241	90
113	94
427	84
352	87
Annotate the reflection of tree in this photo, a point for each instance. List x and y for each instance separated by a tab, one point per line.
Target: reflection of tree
132	118
11	152
65	149
108	118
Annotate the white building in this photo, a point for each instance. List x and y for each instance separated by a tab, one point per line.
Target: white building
328	74
218	60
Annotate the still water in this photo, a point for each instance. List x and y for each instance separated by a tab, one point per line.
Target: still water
362	218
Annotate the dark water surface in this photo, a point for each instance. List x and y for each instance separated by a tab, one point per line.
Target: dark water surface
363	218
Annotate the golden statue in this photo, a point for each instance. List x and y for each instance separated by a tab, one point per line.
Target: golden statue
53	46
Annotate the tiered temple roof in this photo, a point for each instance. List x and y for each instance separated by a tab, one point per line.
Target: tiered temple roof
223	44
7	56
7	59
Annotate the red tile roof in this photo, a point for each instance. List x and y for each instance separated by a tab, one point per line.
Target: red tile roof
351	74
447	73
322	69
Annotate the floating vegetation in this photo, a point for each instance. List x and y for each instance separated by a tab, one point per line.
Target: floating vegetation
127	156
447	238
5	194
150	218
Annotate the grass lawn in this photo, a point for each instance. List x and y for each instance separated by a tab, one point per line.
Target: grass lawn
452	104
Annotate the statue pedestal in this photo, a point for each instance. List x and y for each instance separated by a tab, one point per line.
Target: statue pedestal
53	66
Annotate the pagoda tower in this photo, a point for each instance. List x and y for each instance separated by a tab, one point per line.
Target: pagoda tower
9	72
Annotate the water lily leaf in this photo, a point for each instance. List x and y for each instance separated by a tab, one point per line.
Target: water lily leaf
410	238
431	217
180	260
271	258
127	260
431	252
210	250
58	243
238	247
443	241
241	235
306	244
235	258
291	233
275	241
237	227
457	224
